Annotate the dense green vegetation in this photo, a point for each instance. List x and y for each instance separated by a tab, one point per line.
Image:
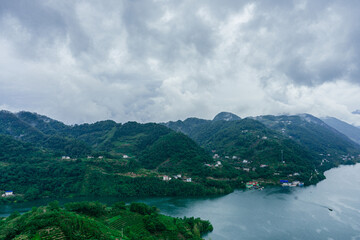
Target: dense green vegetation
127	160
270	147
329	145
93	220
33	174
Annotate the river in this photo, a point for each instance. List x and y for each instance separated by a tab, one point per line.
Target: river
329	210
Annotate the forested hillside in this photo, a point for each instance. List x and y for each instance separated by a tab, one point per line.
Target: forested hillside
100	159
42	157
272	147
93	220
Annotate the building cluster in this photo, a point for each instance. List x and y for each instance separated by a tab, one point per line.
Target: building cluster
91	157
8	194
217	164
253	185
178	176
287	183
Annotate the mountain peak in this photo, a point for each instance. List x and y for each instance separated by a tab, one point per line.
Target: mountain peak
226	116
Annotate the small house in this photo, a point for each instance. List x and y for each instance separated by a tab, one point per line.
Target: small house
188	180
245	161
252	184
125	156
166	178
8	194
100	157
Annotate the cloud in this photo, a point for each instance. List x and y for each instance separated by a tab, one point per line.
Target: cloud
83	61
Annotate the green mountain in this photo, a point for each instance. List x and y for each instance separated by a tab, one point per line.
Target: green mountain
316	136
120	160
349	130
93	220
23	126
272	145
42	157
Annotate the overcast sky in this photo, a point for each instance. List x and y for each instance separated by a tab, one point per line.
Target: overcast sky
84	61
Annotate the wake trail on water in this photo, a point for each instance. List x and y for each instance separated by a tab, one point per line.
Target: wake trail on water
280	195
315	204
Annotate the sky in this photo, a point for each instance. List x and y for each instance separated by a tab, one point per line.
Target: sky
156	61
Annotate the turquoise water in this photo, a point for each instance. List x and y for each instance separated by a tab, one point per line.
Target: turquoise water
329	210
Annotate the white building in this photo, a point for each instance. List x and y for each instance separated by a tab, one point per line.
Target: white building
8	193
166	178
188	180
125	156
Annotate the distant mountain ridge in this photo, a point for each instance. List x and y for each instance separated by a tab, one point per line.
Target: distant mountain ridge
349	130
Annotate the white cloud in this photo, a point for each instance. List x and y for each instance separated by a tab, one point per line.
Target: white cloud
83	61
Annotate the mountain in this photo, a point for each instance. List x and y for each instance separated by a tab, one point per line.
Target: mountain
44	124
226	116
314	135
41	157
249	144
93	220
150	144
349	130
24	126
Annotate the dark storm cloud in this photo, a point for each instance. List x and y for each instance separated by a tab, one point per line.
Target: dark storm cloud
160	60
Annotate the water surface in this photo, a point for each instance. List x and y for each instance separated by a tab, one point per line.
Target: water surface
329	210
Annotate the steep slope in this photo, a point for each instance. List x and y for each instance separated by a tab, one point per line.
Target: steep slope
314	135
187	126
23	126
349	130
43	123
248	144
11	125
157	147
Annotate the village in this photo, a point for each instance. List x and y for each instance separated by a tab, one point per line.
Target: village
178	176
